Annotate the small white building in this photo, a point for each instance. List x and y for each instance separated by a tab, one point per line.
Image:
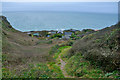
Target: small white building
60	31
28	33
52	32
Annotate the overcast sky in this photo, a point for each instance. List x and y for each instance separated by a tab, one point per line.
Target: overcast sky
99	7
60	0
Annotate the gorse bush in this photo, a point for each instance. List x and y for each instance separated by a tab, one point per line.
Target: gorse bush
54	49
56	69
102	48
50	42
56	35
39	70
59	51
78	66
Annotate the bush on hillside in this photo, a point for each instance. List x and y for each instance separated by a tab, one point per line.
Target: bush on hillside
54	49
102	48
56	35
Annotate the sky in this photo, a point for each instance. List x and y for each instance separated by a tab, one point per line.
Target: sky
98	7
60	0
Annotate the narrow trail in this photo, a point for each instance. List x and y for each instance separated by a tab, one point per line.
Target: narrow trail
62	67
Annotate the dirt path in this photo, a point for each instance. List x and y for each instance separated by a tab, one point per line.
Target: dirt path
62	67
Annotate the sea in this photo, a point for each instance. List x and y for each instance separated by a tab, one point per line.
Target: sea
57	20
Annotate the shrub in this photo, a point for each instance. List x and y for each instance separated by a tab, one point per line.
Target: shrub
49	42
56	35
54	49
102	48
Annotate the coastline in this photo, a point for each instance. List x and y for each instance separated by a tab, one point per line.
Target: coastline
28	21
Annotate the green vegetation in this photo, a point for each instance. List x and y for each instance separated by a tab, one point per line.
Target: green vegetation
87	30
54	49
77	66
40	70
65	52
31	70
91	54
44	42
59	51
96	55
74	37
56	36
26	57
57	48
101	48
56	69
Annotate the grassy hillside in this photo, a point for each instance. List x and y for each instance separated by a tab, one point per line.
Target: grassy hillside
94	55
24	56
101	48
